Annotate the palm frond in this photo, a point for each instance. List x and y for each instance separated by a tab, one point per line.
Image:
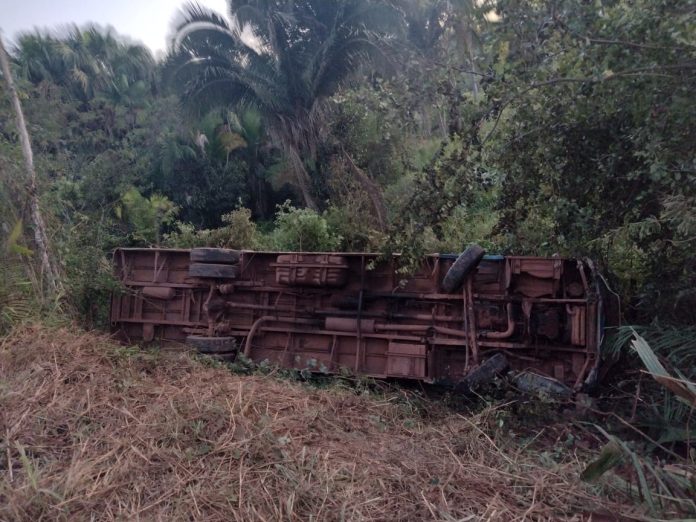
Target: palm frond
681	387
308	50
669	355
86	60
676	343
655	484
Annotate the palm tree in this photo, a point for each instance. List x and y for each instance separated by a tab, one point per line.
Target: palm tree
298	54
86	61
37	57
468	17
244	131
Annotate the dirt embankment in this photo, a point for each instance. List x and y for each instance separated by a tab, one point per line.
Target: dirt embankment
90	430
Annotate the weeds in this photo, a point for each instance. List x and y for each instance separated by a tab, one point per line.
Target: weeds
186	441
661	359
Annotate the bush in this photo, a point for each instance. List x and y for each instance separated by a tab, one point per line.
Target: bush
353	225
302	229
146	216
84	249
351	214
296	229
239	232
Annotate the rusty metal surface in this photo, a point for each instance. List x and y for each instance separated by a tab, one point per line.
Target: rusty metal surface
335	311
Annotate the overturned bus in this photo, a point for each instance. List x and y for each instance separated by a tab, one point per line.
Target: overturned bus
458	317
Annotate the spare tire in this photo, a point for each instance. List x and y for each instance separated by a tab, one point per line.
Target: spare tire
215	255
212	345
214	271
465	263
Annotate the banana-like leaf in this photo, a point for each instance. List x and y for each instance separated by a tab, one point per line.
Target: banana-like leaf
12	243
682	388
610	456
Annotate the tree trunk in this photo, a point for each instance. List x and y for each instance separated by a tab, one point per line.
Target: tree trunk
468	32
302	181
257	183
373	191
302	178
48	268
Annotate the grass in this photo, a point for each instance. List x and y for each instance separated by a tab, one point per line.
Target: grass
93	431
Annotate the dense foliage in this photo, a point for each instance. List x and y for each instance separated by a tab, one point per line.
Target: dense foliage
528	127
583	138
596	148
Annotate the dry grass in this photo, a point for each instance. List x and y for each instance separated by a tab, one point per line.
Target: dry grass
92	431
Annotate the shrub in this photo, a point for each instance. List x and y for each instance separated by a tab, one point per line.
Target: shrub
302	229
239	232
146	216
353	223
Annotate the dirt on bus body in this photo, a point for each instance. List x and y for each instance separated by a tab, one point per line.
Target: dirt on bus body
459	320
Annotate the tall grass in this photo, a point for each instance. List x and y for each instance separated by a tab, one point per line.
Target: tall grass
95	431
17	289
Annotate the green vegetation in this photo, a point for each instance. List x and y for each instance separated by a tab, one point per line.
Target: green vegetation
536	128
413	126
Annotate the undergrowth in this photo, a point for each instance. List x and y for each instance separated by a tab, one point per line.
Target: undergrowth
91	430
647	404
